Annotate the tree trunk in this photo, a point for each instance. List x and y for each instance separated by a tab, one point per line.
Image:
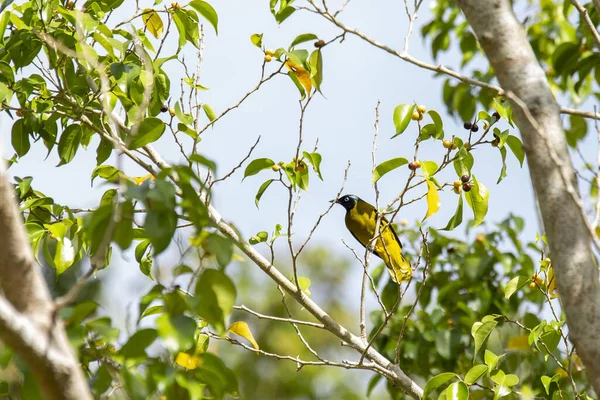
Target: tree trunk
27	320
536	113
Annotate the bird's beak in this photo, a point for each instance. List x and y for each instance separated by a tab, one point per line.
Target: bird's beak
333	201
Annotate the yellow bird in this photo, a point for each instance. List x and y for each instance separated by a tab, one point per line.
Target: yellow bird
361	219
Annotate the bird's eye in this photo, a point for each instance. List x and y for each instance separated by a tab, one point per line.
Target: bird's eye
346	199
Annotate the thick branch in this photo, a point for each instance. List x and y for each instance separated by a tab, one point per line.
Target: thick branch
537	115
27	321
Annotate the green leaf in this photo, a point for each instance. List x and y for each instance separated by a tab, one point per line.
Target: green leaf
176	332
402	115
262	190
160	225
480	332
256	39
208	12
221	247
107	172
475	373
503	169
464	163
505	382
456	219
153	22
210	113
138	342
491	360
316	68
429	168
215	296
149	131
305	37
477	198
258	165
373	383
502	136
436	382
200	159
457	391
123	234
439	125
517	148
20	138
388	166
514	285
315	160
69	143
547	381
259	238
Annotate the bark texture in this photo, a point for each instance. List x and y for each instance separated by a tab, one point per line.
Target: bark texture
27	321
536	112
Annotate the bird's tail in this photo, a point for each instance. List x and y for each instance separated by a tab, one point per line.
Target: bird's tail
400	269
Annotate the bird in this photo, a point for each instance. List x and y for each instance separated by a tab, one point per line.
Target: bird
361	220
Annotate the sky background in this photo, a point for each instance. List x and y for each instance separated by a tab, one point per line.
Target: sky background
356	77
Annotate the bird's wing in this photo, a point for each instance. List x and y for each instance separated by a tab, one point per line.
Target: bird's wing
358	240
393	231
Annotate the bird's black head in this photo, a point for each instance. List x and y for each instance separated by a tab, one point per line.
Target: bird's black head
348	201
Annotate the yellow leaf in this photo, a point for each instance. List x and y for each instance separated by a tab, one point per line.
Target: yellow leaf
518	343
187	361
433	200
153	22
138	180
551	283
241	328
301	73
560	371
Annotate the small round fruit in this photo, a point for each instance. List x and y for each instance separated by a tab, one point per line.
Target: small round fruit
467	125
467	187
19	112
495	142
420	117
319	44
454	146
496	115
450	322
457	183
275	168
171	112
269	52
447	144
474	128
164	108
70	5
414	165
457	190
532	285
537	279
415	116
421	109
480	238
268	58
467	146
486	125
175	6
403	222
465	178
